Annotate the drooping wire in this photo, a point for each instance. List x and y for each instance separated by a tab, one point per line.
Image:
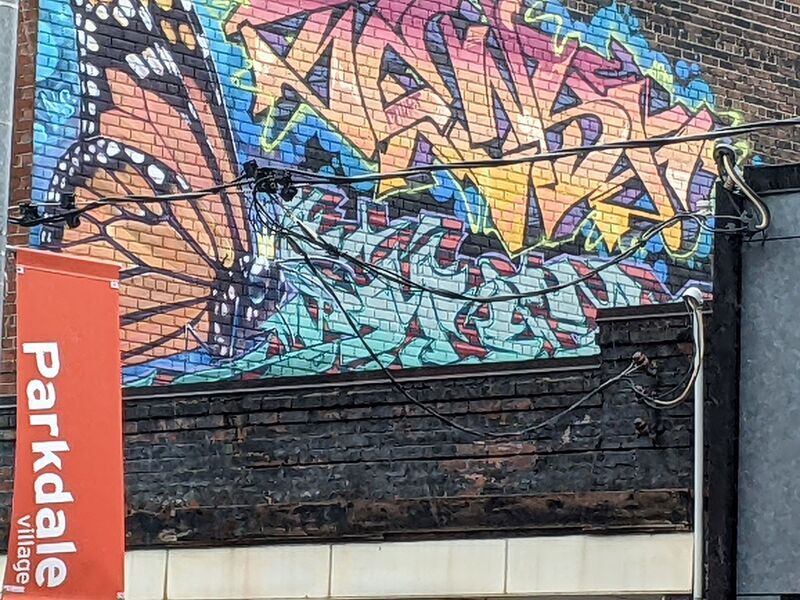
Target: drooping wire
728	230
657	401
669	398
31	218
312	237
309	262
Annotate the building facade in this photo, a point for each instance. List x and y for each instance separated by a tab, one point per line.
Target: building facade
767	514
258	328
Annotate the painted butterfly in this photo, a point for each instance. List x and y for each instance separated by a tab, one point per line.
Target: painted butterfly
153	121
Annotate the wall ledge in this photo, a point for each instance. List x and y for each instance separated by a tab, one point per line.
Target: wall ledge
578	566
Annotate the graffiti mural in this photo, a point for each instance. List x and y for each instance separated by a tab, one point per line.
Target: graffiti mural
159	97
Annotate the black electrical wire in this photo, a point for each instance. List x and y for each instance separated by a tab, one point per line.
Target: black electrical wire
310	178
777	238
726	229
132	199
311	237
634	366
657	401
654	400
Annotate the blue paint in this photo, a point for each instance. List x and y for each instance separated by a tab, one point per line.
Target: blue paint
617	22
311	343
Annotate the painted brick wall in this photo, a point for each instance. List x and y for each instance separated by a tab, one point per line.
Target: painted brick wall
147	98
195	343
748	51
341	462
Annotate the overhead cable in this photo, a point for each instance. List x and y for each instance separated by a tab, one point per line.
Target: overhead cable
637	362
635	365
311	177
291	178
72	210
312	237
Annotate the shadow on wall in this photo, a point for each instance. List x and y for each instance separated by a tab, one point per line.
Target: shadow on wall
138	97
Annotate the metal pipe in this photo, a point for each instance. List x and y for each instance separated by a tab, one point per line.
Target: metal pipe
696	300
698	486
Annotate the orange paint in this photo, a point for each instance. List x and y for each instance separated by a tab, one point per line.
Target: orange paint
67	538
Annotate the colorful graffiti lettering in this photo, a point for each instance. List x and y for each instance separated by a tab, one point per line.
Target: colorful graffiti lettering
308	335
157	97
408	86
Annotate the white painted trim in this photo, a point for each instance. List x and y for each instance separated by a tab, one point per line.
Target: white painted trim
583	566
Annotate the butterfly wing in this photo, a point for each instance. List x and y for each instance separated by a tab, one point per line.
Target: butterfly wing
153	121
169	273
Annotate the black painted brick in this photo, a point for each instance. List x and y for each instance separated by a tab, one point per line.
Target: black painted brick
250	467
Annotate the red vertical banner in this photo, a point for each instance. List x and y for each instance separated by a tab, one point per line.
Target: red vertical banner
67	538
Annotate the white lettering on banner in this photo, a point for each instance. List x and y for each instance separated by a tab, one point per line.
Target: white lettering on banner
22	562
40	396
48	451
50	523
42	351
49	488
51	421
51	572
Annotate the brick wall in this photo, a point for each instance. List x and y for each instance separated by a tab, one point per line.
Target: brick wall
340	462
215	310
211	294
203	307
214	300
696	65
749	52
